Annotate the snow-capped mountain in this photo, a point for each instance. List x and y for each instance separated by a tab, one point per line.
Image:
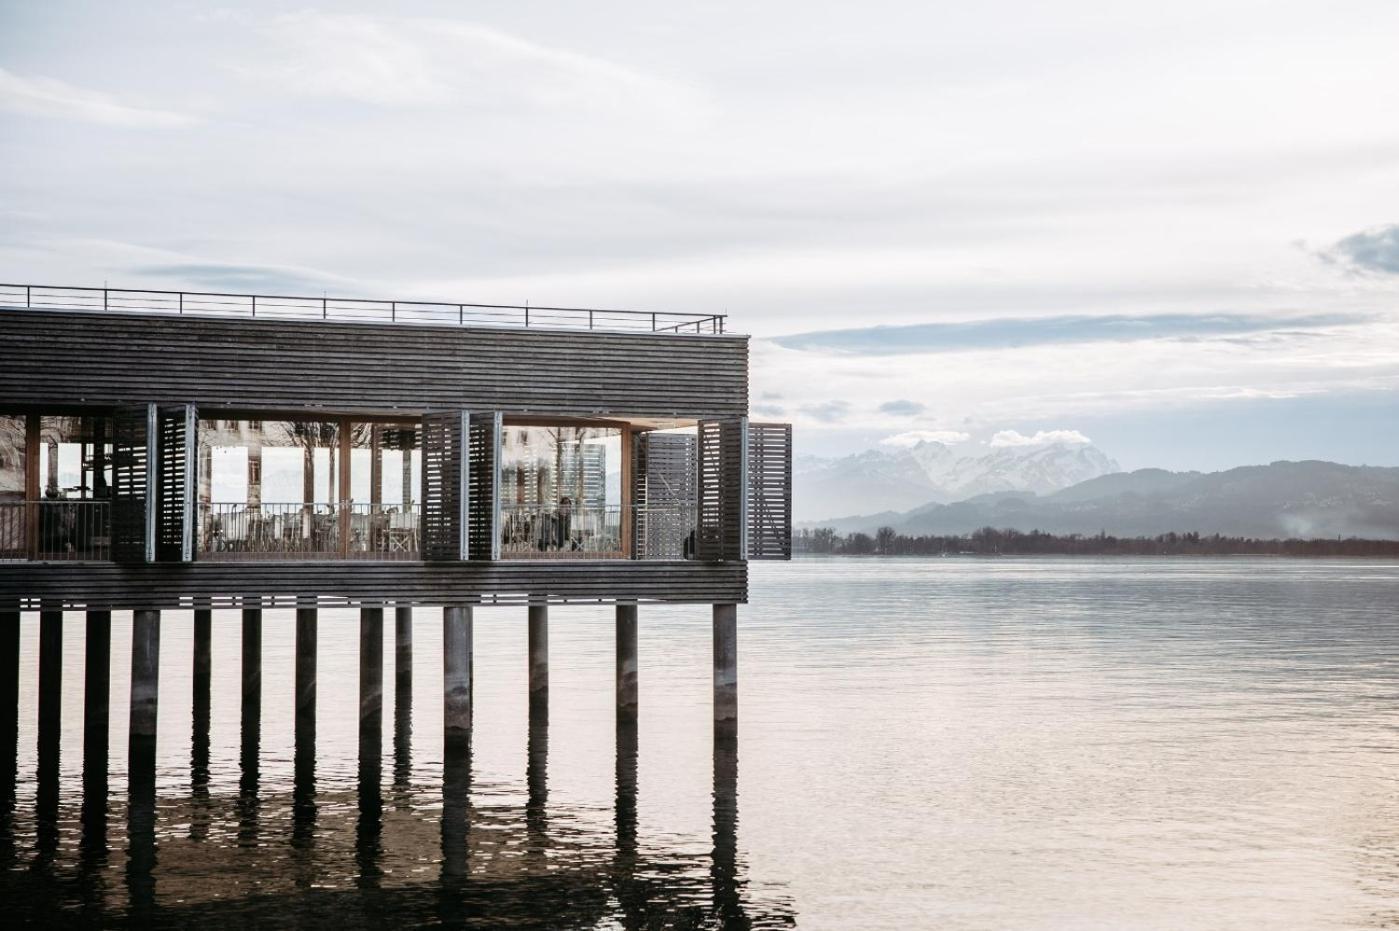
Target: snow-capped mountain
880	480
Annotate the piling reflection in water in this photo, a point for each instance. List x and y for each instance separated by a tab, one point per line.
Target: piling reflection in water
50	697
9	730
355	863
96	694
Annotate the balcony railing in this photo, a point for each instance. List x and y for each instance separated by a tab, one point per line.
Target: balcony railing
308	531
352	310
557	532
554	532
55	530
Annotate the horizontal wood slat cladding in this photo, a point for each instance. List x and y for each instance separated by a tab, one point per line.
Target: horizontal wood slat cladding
286	584
769	491
64	358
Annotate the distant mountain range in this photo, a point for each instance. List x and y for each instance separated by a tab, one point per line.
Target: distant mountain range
1283	499
882	480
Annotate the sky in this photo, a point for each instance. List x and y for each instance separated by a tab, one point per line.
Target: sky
1170	229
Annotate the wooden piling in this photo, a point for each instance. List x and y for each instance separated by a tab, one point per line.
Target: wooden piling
304	752
252	663
97	684
203	668
626	663
725	666
145	674
371	676
9	715
403	652
538	660
50	689
456	660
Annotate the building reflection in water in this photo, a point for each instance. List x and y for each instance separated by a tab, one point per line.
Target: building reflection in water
332	855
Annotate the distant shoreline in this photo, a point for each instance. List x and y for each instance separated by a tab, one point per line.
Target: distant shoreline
992	542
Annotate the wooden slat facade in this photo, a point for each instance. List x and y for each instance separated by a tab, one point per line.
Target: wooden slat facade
483	477
769	491
91	359
722	525
445	496
177	585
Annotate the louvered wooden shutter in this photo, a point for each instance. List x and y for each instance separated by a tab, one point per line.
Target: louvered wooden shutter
769	491
666	473
483	478
134	471
176	483
446	493
723	498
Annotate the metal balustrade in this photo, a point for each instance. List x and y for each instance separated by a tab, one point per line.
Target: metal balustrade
319	530
352	310
55	530
581	532
560	532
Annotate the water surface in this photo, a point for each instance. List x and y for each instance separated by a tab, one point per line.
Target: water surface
951	743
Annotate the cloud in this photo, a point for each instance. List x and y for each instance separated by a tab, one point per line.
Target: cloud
235	277
914	437
1040	438
1373	250
902	408
827	411
426	63
52	98
1016	332
769	410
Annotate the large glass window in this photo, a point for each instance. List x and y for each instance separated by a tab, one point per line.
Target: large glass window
280	489
269	487
74	458
385	465
561	491
12	431
14	535
71	519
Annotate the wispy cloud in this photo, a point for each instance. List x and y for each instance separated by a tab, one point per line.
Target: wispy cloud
912	438
237	277
827	411
1039	438
40	96
902	408
1374	250
1011	332
428	63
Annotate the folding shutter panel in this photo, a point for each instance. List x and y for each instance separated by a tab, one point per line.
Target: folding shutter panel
175	507
723	497
665	495
770	491
445	488
484	481
134	468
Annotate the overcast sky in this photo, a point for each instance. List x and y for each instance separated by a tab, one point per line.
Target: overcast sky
1169	228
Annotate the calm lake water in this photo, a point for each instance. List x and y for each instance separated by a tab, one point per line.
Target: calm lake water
949	743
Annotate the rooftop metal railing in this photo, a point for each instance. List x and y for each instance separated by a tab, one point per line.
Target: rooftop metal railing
353	310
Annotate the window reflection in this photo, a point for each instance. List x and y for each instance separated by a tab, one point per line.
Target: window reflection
561	492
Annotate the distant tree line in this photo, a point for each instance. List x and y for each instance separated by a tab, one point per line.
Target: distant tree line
988	541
